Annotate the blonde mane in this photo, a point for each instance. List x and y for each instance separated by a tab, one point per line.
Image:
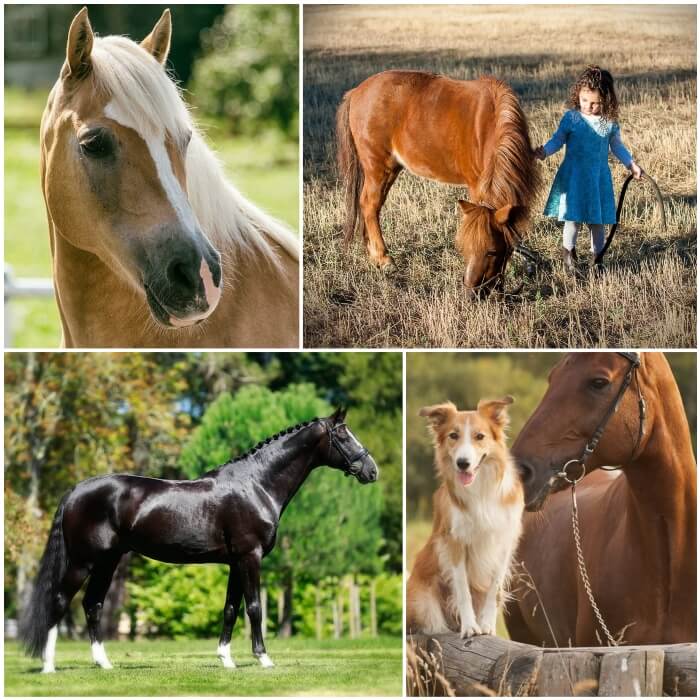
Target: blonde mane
141	88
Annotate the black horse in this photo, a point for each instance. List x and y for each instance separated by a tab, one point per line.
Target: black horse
228	516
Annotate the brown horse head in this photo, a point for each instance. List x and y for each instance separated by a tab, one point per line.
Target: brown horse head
582	389
486	238
114	142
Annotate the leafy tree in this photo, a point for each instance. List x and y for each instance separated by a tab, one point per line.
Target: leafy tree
249	73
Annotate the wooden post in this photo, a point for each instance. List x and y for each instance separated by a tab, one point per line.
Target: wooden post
373	607
319	615
280	606
632	673
263	608
336	621
358	609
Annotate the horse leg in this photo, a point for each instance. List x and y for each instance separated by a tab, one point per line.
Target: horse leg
250	569
378	181
97	588
234	593
70	584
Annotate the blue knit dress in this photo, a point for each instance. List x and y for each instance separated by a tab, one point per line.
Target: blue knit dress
582	190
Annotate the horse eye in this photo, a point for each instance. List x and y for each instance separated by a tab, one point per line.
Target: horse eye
97	144
479	436
599	383
454	436
186	140
491	253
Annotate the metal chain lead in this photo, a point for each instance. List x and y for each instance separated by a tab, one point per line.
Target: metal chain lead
582	567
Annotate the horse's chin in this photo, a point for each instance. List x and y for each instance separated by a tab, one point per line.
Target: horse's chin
169	319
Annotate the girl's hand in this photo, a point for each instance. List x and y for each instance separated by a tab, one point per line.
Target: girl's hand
539	153
636	171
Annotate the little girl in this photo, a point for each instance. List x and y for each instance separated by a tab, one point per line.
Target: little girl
582	191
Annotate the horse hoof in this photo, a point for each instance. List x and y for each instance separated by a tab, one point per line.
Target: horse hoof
265	661
389	268
48	669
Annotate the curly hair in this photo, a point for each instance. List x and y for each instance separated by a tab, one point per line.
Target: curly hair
595	78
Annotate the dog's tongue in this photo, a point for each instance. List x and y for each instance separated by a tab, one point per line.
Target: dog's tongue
465	478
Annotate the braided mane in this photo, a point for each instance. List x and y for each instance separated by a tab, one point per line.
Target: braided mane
272	438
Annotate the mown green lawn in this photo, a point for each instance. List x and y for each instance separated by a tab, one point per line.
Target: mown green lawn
168	668
264	168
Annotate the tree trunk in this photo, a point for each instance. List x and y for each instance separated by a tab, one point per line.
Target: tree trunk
285	627
114	600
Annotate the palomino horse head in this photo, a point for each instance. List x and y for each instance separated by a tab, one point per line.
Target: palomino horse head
486	238
346	452
114	142
582	393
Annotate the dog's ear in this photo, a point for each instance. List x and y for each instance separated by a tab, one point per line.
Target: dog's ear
496	410
439	414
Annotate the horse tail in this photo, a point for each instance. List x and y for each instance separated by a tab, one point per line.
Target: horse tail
513	175
350	170
36	618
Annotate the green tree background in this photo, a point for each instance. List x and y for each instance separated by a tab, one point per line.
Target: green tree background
74	415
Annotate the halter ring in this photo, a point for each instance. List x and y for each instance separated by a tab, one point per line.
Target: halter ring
564	474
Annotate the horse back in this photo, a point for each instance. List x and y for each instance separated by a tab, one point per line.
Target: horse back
435	126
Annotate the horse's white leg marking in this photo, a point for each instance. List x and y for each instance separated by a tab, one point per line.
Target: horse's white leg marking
224	653
99	655
265	661
49	654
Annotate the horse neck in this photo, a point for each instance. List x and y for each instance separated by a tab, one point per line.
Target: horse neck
663	481
283	465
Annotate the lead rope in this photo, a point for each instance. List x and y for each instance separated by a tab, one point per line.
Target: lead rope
582	567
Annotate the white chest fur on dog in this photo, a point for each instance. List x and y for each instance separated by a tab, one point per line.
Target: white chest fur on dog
458	576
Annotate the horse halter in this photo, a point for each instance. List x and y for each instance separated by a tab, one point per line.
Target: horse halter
353	463
635	361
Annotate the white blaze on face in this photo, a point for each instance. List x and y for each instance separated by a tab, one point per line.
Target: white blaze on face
177	199
466	450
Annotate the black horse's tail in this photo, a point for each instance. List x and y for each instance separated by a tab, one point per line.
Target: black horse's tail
37	616
350	170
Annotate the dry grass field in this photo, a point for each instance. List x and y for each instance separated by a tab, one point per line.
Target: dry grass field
647	297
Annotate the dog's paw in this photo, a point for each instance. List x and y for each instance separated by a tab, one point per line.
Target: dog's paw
487	627
470	630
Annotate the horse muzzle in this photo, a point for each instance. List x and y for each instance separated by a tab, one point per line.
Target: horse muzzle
187	293
367	472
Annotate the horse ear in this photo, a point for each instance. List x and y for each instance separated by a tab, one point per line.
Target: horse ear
78	47
439	414
504	214
466	206
496	410
157	43
339	414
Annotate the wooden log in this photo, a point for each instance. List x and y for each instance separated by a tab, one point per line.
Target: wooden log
568	673
485	665
632	673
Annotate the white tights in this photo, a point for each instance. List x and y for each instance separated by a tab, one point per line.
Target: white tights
571	231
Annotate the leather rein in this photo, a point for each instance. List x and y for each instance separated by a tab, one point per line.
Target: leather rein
631	374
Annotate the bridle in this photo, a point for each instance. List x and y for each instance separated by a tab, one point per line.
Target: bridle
353	463
635	361
631	374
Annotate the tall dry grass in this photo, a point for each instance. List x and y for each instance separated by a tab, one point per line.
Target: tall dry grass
647	298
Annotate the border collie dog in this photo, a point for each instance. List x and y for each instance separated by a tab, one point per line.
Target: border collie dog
458	577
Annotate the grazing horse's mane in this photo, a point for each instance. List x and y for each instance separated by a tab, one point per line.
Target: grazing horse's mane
511	174
141	88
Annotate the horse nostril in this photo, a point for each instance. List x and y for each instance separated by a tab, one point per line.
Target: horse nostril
463	463
183	276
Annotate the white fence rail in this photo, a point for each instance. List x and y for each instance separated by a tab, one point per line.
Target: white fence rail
22	287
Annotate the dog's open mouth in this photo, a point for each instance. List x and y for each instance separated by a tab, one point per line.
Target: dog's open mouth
466	478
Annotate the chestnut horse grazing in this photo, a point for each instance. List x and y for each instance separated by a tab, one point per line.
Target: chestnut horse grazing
637	524
151	246
462	132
